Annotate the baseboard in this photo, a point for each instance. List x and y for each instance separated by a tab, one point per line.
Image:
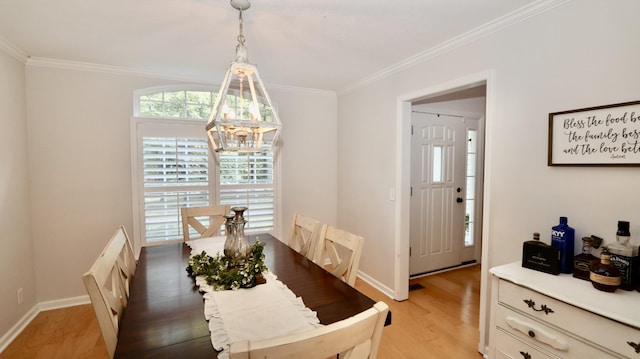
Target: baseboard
377	285
11	335
18	328
64	303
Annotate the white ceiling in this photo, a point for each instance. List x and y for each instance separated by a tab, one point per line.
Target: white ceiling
319	44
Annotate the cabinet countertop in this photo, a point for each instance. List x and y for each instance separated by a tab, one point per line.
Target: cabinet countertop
622	306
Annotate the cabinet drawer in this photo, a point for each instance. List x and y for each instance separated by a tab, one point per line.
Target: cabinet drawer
547	339
581	323
508	346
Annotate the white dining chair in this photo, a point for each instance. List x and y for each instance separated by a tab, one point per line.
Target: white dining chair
343	249
303	236
207	221
357	337
107	283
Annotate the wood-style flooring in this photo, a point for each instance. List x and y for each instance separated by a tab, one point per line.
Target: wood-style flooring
440	320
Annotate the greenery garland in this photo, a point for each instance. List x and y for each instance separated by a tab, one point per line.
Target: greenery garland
221	273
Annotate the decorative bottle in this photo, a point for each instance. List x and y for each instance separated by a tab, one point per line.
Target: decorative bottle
241	249
230	232
624	256
582	262
622	245
562	238
604	276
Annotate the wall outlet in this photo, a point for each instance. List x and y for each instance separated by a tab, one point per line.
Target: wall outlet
20	296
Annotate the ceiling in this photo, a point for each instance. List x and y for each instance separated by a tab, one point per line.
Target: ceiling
317	44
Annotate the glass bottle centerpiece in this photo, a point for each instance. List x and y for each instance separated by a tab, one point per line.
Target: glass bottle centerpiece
240	265
236	247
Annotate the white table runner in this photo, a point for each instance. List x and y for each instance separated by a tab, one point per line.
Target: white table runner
265	311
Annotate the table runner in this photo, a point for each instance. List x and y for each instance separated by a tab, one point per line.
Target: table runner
265	311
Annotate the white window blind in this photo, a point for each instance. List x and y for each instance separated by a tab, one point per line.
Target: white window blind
246	179
176	175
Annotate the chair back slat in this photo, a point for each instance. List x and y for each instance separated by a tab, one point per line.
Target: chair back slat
193	217
126	259
343	250
303	236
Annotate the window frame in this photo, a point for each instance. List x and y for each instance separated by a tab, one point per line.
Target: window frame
137	175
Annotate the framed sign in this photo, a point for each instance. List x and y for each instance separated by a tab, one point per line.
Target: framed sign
596	136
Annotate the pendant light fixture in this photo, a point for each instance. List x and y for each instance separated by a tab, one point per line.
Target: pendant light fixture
243	118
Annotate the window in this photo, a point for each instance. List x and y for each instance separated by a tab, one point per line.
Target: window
173	167
176	104
472	151
437	164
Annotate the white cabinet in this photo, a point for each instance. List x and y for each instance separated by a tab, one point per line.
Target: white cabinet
538	315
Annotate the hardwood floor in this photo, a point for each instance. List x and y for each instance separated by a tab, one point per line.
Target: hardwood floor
440	320
60	334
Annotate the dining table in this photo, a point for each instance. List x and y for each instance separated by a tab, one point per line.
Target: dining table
164	316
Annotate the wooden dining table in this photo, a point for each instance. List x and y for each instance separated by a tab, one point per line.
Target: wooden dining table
164	317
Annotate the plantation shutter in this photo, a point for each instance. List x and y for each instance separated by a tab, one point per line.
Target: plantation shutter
176	175
246	179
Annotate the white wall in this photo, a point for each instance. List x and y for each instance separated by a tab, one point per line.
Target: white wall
309	154
80	165
366	174
579	54
16	255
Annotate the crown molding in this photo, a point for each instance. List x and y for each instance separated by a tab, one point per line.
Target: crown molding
328	93
13	50
475	34
108	69
128	71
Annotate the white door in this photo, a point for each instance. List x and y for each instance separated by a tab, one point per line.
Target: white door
438	180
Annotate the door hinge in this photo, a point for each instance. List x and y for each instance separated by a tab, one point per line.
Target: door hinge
411	130
410	191
409	251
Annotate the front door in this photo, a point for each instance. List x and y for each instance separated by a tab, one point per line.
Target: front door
438	148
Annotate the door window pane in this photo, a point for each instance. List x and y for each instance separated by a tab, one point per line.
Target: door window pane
437	164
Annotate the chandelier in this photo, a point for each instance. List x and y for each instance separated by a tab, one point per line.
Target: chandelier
243	118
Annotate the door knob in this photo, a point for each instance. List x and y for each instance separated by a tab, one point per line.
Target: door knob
459	199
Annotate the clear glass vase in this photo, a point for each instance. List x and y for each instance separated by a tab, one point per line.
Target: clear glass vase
230	232
236	246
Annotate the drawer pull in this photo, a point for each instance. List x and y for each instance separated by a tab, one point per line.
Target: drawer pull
538	333
635	346
525	355
543	308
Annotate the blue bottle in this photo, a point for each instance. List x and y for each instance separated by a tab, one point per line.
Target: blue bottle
562	238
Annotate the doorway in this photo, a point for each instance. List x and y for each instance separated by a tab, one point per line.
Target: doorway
405	103
446	181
